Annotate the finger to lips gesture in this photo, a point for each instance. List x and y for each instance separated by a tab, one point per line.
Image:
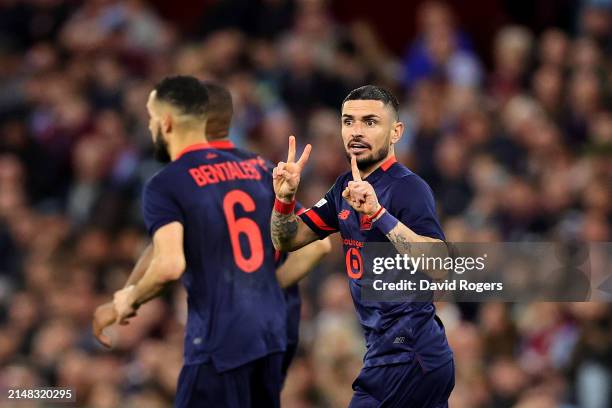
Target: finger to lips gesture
286	176
360	194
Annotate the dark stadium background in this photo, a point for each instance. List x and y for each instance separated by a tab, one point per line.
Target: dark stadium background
513	135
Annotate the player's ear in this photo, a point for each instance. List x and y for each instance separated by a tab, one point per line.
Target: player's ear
396	132
167	122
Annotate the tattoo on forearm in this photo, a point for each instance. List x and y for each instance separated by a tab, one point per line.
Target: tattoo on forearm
283	227
399	241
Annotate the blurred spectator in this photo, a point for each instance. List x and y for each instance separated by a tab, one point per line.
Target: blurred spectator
441	51
512	52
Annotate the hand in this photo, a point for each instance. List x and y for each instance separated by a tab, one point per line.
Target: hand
103	317
123	302
360	194
286	176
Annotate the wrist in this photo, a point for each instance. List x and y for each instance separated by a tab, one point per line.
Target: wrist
375	215
385	222
283	207
131	296
286	199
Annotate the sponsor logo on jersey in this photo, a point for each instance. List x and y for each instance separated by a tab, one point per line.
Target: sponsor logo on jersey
365	223
344	214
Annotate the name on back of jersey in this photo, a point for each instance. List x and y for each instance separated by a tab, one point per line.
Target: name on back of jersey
230	170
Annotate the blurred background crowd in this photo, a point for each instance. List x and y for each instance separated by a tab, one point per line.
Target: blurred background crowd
507	118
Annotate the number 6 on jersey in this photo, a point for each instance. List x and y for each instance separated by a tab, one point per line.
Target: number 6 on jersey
243	225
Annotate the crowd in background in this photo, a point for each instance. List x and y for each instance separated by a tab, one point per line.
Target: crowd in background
515	149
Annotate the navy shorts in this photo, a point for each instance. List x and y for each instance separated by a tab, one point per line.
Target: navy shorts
403	386
255	384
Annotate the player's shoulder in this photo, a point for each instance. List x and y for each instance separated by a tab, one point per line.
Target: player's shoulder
399	171
405	179
163	174
162	177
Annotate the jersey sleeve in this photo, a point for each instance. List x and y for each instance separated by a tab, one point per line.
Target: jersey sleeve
414	206
158	207
322	218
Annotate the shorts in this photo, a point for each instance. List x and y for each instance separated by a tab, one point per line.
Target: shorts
255	384
403	386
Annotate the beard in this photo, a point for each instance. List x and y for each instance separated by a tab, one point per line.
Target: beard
364	162
160	148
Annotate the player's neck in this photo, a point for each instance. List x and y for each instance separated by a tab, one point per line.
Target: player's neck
371	169
184	141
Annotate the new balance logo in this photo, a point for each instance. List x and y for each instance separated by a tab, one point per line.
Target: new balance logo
399	340
344	214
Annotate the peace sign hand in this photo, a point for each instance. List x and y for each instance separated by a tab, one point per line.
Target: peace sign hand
360	194
286	176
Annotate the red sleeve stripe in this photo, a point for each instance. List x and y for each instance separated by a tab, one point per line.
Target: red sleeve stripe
314	217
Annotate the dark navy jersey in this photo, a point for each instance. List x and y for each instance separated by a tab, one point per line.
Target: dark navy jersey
223	197
294	311
407	197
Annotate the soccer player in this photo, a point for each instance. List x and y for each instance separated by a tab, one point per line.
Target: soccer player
290	270
408	362
206	211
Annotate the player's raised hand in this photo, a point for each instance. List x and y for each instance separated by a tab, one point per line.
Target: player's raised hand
104	316
286	176
360	194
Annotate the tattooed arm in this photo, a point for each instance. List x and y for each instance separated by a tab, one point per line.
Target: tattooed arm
408	242
404	239
289	232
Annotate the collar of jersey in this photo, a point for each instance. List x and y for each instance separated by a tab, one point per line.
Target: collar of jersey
386	165
215	144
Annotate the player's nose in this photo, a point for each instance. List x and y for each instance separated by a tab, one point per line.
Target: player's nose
357	130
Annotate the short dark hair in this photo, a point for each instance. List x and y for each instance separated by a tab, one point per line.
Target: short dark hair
186	93
220	111
220	99
373	92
